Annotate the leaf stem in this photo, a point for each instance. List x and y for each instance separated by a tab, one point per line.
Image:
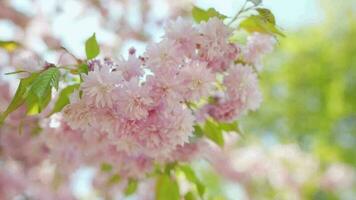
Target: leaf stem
243	9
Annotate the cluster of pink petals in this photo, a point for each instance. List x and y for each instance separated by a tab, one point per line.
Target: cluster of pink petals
11	183
258	44
242	95
24	168
145	114
137	111
133	113
38	183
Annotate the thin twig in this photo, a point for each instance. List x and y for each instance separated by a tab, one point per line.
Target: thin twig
238	13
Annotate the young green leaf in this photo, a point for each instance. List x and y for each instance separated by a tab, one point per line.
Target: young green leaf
63	98
114	179
257	23
192	177
40	91
267	15
9	46
32	104
189	196
198	131
91	47
204	15
131	187
213	132
228	127
167	188
83	68
20	96
47	79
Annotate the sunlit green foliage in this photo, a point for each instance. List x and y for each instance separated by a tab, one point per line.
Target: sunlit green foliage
200	15
309	92
309	87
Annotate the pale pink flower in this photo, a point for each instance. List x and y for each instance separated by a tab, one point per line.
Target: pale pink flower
187	152
165	86
214	47
133	100
12	182
126	142
78	114
173	128
257	46
184	35
338	177
27	60
225	110
197	80
24	148
98	85
130	68
159	134
242	85
65	146
144	186
162	54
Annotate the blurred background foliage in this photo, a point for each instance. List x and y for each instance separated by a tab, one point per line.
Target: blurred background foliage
309	88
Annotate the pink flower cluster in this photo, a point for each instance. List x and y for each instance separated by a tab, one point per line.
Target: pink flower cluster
24	168
137	109
135	112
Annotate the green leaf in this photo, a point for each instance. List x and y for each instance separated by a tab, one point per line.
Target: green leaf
198	131
192	177
257	23
131	187
47	79
228	127
9	46
40	92
167	188
267	15
63	98
189	196
213	132
91	47
105	167
35	105
20	96
83	68
116	178
204	15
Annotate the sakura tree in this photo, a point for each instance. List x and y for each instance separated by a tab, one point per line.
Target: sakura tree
139	120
